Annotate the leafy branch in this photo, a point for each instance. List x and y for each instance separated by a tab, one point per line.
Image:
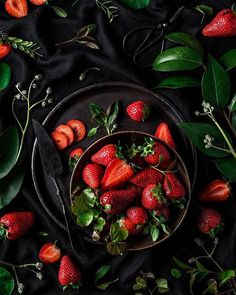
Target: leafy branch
108	8
100	274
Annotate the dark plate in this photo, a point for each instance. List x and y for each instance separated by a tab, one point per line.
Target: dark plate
76	106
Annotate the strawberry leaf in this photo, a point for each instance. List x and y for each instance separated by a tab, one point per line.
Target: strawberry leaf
7	282
85	218
204	9
182	265
228	59
92	131
5	75
117	233
175	273
101	272
154	232
177	82
116	248
162	285
59	11
226	275
136	4
99	225
104	286
227	167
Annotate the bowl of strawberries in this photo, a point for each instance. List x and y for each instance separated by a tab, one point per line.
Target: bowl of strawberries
129	191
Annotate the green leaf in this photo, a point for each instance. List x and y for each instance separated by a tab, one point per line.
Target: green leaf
10	186
117	233
228	59
192	281
227	167
175	273
84	202
226	275
113	112
154	232
215	84
99	225
92	131
7	282
116	248
212	287
59	11
162	285
200	267
204	9
9	145
182	264
196	133
232	105
101	272
84	218
5	75
177	82
104	286
177	59
136	4
185	40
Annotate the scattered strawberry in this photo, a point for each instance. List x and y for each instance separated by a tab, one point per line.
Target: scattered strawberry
116	201
69	273
216	191
163	132
77	153
4	50
117	173
138	111
67	131
147	176
223	25
79	129
92	175
152	197
14	225
38	2
16	8
172	187
137	215
105	155
60	140
49	253
132	228
209	221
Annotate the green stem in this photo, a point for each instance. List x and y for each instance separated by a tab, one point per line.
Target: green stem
15	116
227	118
212	259
221	149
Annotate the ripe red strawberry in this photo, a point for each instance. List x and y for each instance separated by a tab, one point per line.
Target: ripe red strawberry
69	273
138	111
67	131
14	225
132	228
38	2
49	253
16	8
77	153
137	215
216	191
60	140
155	153
209	221
116	201
117	173
163	132
147	176
163	211
152	197
172	187
92	175
223	25
79	129
105	155
4	50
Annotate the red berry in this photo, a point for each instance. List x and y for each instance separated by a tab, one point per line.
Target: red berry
152	197
69	273
4	50
155	153
60	140
76	153
92	175
172	187
163	211
67	131
209	221
105	155
137	215
147	176
216	191
132	228
163	132
16	8
49	253
38	2
138	111
78	128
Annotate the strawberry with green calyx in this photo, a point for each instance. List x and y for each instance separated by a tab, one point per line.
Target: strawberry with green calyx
138	111
92	175
209	221
163	132
116	201
49	253
172	187
163	211
134	156
223	25
132	228
153	197
137	215
155	153
105	155
14	225
216	191
74	157
147	176
69	274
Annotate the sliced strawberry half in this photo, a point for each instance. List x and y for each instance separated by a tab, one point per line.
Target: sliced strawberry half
67	130
16	8
38	2
49	253
163	132
78	128
60	140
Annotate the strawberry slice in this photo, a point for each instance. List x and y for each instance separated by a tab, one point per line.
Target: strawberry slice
79	129
116	174
49	253
163	132
38	2
16	8
4	50
67	131
60	140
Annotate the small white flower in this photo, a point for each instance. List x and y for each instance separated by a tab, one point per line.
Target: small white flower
20	288
39	265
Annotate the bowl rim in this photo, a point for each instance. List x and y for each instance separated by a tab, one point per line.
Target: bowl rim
187	185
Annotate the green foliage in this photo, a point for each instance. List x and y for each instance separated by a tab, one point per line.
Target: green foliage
7	282
5	75
227	167
228	59
177	82
107	7
59	11
136	4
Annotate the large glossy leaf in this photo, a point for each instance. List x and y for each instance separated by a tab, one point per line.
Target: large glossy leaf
5	75
228	59
9	144
196	133
177	59
7	282
177	82
136	4
10	186
227	167
215	84
186	40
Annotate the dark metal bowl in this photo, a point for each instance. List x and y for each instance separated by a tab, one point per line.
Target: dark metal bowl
128	137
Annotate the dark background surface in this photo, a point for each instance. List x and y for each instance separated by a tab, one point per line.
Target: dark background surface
61	67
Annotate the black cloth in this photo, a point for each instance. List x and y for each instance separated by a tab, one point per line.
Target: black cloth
61	67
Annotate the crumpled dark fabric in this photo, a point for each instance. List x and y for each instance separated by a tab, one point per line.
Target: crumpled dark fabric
61	67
